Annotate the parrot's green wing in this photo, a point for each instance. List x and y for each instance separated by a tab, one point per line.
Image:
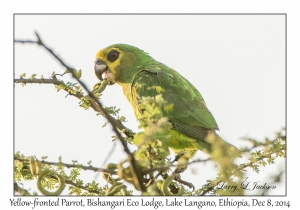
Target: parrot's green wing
188	112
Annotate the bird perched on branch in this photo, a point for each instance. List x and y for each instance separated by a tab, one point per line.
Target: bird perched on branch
141	76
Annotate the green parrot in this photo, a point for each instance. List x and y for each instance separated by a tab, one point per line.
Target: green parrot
141	76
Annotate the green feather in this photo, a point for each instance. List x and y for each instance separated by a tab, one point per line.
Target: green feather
142	76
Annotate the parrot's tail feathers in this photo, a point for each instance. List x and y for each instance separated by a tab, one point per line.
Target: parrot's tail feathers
221	146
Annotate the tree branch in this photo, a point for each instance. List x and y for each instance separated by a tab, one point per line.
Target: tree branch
138	179
166	167
53	81
258	144
90	168
78	95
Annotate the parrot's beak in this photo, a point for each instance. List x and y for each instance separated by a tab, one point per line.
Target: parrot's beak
101	69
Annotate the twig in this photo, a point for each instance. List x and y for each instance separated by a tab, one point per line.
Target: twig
78	95
91	168
21	191
26	41
204	192
53	81
251	163
166	167
25	192
138	179
69	182
257	144
79	186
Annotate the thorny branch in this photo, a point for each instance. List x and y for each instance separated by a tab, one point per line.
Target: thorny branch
91	168
78	95
138	179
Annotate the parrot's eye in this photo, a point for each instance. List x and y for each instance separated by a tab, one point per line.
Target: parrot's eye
113	55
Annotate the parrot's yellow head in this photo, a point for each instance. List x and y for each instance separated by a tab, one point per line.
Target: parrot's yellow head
120	62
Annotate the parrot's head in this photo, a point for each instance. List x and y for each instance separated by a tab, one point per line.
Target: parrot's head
120	62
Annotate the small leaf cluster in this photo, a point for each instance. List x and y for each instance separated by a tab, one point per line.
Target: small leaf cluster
152	142
76	185
271	150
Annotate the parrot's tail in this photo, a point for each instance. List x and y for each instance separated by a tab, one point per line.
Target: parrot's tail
220	151
213	143
222	145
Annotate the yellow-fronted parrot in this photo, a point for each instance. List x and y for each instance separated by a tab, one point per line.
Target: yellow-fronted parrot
140	75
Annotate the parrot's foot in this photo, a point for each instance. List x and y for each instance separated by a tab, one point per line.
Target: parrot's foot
178	179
